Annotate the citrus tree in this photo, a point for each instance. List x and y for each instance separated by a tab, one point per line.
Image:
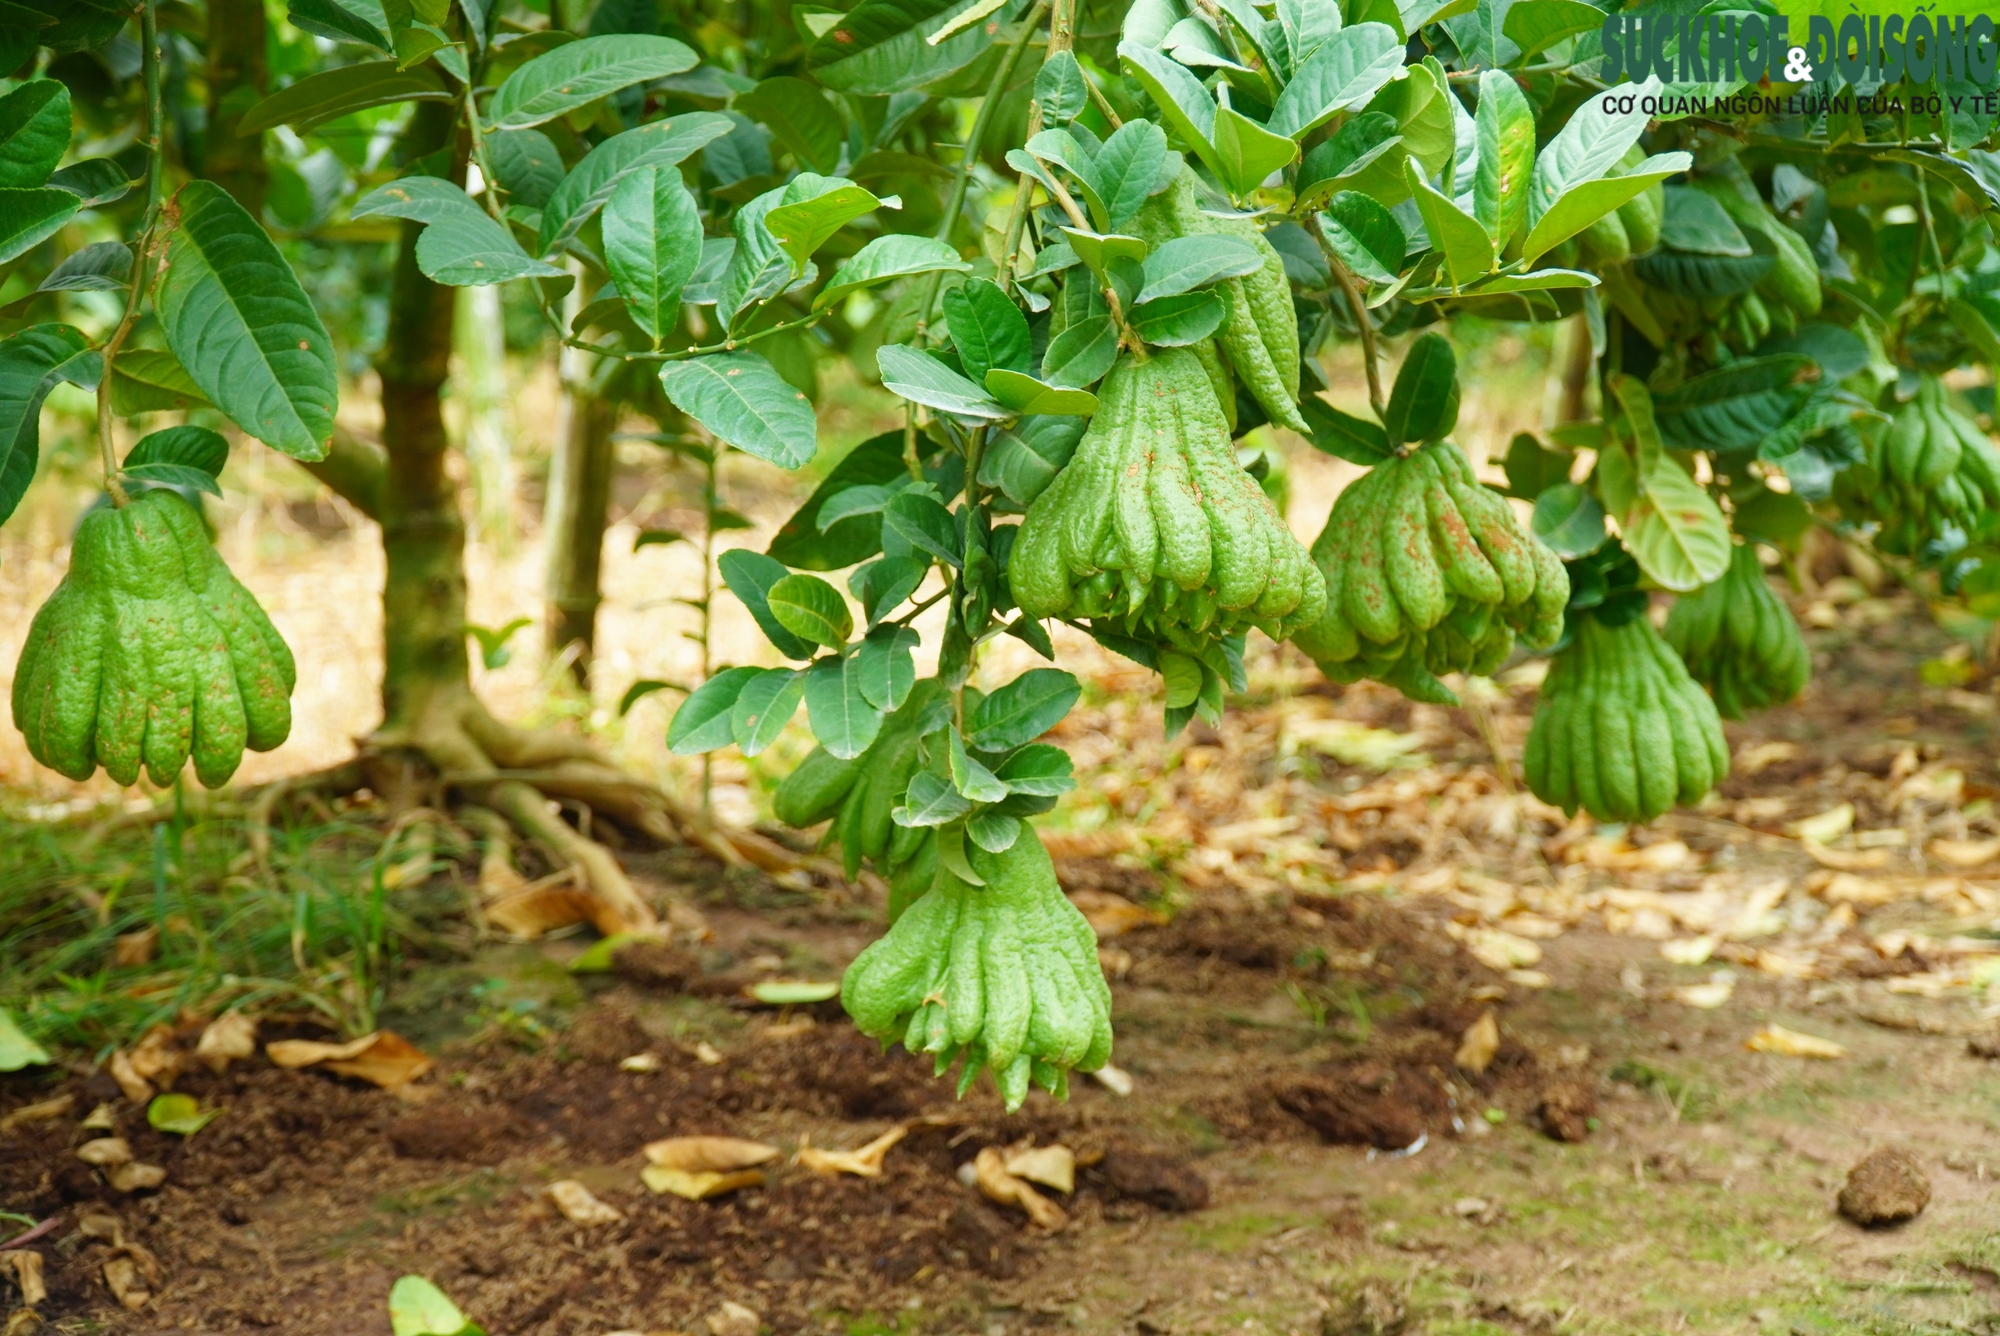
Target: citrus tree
1089	248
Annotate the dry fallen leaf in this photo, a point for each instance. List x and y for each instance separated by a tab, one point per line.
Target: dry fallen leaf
227	1038
1051	1166
135	1177
37	1113
132	1273
989	1173
1479	1043
1708	996
1109	914
709	1154
733	1319
1690	950
698	1185
534	910
1115	1079
1825	827
103	1118
132	949
1763	756
24	1322
1965	853
383	1058
1497	949
24	1265
707	1054
580	1206
641	1063
863	1163
1791	1044
105	1152
134	1086
1847	860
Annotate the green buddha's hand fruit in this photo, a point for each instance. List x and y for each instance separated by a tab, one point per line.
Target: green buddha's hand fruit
859	794
1155	529
148	652
1930	471
1004	975
1261	331
1429	572
1621	729
1739	640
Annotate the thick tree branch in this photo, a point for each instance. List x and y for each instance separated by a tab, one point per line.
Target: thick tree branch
355	470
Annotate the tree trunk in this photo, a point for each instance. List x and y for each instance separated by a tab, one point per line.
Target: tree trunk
236	40
1578	364
579	497
482	357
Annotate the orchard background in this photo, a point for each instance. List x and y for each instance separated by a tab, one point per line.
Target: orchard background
1368	659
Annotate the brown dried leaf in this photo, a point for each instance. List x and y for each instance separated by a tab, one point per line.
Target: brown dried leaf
157	1058
1791	1044
24	1265
131	949
1109	914
863	1163
1846	888
698	1185
125	1273
1965	853
1051	1166
709	1154
37	1113
24	1322
540	908
733	1319
1846	860
135	1177
105	1152
990	1175
581	1206
134	1086
383	1058
227	1038
1478	1044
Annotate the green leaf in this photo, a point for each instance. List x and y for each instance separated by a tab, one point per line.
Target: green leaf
987	329
702	722
235	316
803	543
1675	531
1735	407
179	1114
462	245
1061	89
578	73
1536	25
1337	162
922	521
1347	70
1506	126
1356	440
1185	104
1531	469
330	94
1589	145
419	1308
342	20
1248	152
811	609
638	691
1467	250
799	117
1020	393
884	584
493	651
1024	459
1569	519
894	256
1695	221
659	537
930	801
1777	518
1365	235
29	217
28	363
993	830
1583	204
34	132
526	164
1082	353
764	706
652	243
102	266
951	854
190	447
1175	322
923	379
1128	169
1182	674
971	778
814	208
884	667
152	380
1023	710
750	576
880	47
843	719
1039	770
1186	263
16	1049
1423	406
1099	251
1704	276
94	181
175	475
589	184
742	399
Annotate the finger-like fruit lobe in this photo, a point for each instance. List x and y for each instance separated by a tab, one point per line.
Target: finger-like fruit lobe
1739	639
1261	332
1929	473
1154	527
1621	730
1004	975
1429	572
859	794
150	652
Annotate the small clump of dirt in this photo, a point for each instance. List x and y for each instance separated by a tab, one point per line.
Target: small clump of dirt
1887	1187
656	965
1369	1106
1985	1046
470	1135
606	1032
1566	1107
1165	1182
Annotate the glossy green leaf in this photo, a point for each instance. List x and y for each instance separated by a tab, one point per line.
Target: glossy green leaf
1061	89
930	801
923	379
884	666
1455	234
968	775
1589	145
1695	221
1536	25
842	718
1735	407
1023	710
1348	69
1583	204
923	523
1176	322
884	584
889	257
1423	405
1040	770
152	380
1186	263
1186	105
1365	236
1248	152
1129	168
1532	469
1020	393
993	830
987	329
343	21
750	576
175	475
743	400
1344	436
652	243
589	184
1081	354
330	94
189	446
461	246
702	722
178	1114
1024	459
811	609
764	707
879	47
526	165
30	216
813	209
1569	519
16	1049
34	131
799	117
103	266
804	543
235	316
578	73
419	1308
1506	127
1675	531
94	181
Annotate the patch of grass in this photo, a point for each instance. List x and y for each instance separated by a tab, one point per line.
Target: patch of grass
1228	1233
1692	1101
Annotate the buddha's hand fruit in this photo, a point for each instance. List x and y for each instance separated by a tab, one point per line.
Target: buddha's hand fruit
859	794
1929	472
150	651
1429	572
1621	729
1155	529
1261	332
1739	640
1004	975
